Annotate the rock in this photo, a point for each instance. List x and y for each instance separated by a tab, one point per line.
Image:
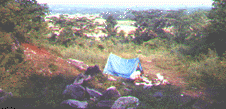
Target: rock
110	93
74	92
75	61
5	96
129	102
110	78
123	83
74	103
105	104
93	70
79	80
93	93
87	78
127	89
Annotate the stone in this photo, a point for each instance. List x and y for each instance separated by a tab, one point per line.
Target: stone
127	89
74	91
87	78
110	78
110	93
79	80
74	103
128	102
5	96
93	70
93	93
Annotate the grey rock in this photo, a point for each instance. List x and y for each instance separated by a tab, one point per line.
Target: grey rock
74	92
79	80
129	102
93	93
93	70
5	97
74	103
110	93
127	89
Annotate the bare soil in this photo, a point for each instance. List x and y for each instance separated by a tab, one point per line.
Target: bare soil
42	56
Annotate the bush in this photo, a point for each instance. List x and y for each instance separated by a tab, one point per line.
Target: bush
110	26
216	29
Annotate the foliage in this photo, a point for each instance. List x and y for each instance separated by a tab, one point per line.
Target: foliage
110	26
149	23
192	35
21	21
17	19
72	28
188	39
216	29
122	33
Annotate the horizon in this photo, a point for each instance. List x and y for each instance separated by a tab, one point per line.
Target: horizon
131	3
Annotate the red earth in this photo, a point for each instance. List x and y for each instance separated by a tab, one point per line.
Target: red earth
42	55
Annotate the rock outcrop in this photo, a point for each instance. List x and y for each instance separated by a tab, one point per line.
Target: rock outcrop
77	95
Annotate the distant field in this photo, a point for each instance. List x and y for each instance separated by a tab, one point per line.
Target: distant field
124	24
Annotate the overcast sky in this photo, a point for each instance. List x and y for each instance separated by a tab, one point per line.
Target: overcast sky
131	2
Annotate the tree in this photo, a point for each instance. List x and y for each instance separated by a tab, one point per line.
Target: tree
20	21
110	26
149	22
217	29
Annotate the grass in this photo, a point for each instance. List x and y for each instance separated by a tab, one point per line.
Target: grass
24	83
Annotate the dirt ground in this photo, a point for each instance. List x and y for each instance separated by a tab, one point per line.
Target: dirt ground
149	67
173	77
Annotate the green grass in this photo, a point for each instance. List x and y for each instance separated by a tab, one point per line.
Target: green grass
194	71
205	70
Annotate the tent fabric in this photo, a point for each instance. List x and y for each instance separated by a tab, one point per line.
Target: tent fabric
122	67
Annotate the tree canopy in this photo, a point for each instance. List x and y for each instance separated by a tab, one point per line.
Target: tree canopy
20	21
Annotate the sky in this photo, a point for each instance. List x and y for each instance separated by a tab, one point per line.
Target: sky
130	2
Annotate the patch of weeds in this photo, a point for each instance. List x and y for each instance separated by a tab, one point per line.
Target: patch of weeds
206	72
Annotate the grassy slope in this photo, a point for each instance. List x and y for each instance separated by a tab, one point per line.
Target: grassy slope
92	55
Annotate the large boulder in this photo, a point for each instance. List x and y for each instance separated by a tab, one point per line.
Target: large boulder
74	91
93	70
129	102
110	93
71	103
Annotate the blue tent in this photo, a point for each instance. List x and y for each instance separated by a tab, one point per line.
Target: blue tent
118	66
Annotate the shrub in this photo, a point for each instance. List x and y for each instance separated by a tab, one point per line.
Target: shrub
110	26
122	33
216	29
